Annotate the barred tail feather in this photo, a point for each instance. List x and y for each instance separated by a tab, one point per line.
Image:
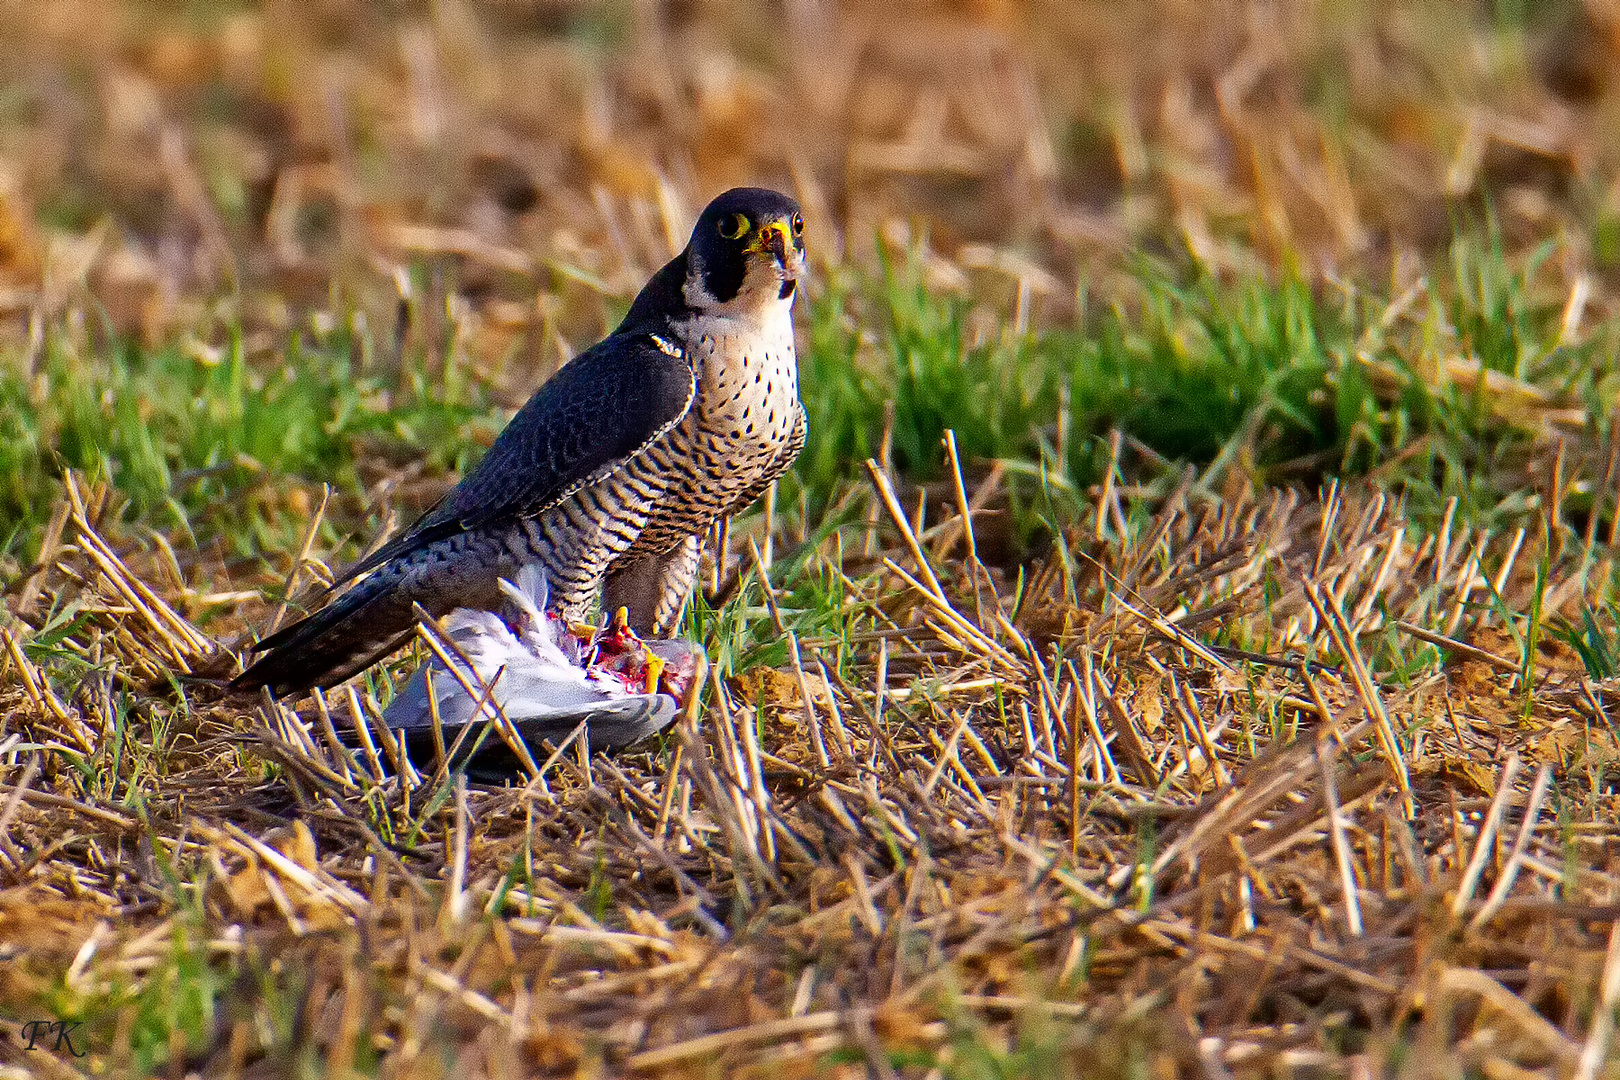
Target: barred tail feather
366	624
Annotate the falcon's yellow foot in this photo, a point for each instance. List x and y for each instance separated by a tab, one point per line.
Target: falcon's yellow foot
655	671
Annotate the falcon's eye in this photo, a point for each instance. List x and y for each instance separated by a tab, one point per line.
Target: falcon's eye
798	225
733	226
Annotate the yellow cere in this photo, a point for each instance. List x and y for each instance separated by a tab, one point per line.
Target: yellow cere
781	227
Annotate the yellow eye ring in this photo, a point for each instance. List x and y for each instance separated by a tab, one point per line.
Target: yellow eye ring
732	226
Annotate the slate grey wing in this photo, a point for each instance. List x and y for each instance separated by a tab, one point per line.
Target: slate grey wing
597	412
600	411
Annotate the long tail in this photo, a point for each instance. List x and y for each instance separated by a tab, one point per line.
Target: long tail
365	624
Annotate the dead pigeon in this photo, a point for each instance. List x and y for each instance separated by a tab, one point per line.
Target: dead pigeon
547	676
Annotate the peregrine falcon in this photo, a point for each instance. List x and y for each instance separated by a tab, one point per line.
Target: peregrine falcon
613	472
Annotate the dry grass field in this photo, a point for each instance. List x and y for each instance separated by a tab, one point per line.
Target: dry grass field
1183	649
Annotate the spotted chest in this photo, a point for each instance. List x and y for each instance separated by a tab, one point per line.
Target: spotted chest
733	438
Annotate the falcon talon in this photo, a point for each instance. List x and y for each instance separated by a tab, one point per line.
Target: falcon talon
655	672
613	472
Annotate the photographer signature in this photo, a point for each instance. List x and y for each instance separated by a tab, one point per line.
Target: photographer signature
57	1035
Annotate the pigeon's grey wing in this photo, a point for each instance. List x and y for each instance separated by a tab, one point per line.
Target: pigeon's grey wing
600	410
521	695
540	709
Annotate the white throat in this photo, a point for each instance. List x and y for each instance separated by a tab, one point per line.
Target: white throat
758	306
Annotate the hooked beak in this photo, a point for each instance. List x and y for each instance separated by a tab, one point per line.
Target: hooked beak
777	238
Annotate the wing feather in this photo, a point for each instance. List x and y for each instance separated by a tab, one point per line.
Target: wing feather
596	413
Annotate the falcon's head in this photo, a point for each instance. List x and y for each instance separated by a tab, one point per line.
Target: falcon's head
746	253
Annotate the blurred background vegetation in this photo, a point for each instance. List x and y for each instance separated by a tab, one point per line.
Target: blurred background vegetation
334	240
